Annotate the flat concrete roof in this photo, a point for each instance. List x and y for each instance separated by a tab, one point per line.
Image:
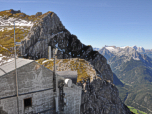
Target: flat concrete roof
8	67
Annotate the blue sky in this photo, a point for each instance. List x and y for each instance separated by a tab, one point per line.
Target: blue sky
97	22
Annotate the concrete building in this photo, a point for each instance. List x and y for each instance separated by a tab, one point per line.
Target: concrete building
36	90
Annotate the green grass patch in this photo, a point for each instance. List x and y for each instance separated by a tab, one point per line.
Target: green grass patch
81	66
136	111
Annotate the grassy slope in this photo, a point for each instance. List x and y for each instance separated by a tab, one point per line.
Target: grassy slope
135	110
7	13
84	70
139	97
132	71
7	39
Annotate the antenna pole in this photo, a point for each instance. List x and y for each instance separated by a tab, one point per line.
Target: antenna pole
16	70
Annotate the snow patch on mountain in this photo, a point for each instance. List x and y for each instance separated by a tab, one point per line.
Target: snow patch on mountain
126	52
123	47
136	58
112	49
10	22
5	59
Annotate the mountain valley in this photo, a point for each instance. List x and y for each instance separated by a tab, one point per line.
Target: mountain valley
133	67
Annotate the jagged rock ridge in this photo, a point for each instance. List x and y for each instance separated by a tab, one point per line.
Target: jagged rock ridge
49	31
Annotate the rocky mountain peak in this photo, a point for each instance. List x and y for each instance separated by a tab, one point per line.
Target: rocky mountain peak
140	49
38	14
49	31
135	47
14	12
129	52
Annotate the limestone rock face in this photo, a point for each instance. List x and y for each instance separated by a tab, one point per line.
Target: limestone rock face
101	97
49	31
14	12
38	14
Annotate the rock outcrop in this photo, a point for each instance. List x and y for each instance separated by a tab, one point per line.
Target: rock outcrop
38	14
49	31
14	12
101	97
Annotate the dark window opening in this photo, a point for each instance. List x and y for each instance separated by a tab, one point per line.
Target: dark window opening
28	102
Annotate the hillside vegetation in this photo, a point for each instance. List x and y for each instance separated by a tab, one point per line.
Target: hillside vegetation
33	18
136	111
137	89
134	70
84	68
7	39
7	35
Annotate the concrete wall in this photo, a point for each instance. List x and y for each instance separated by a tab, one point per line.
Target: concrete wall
34	81
41	101
9	105
7	85
34	77
31	77
73	99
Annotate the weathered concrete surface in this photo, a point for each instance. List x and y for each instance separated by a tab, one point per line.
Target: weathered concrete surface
34	77
9	105
31	77
7	85
35	81
73	99
40	101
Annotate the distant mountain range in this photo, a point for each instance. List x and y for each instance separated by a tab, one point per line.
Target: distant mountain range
141	50
133	67
96	49
125	60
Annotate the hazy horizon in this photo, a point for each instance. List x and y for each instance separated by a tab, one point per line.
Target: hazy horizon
121	46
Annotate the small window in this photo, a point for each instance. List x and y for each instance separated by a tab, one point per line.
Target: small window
27	102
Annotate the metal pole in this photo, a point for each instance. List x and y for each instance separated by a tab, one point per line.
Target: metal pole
54	72
56	83
16	69
49	52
